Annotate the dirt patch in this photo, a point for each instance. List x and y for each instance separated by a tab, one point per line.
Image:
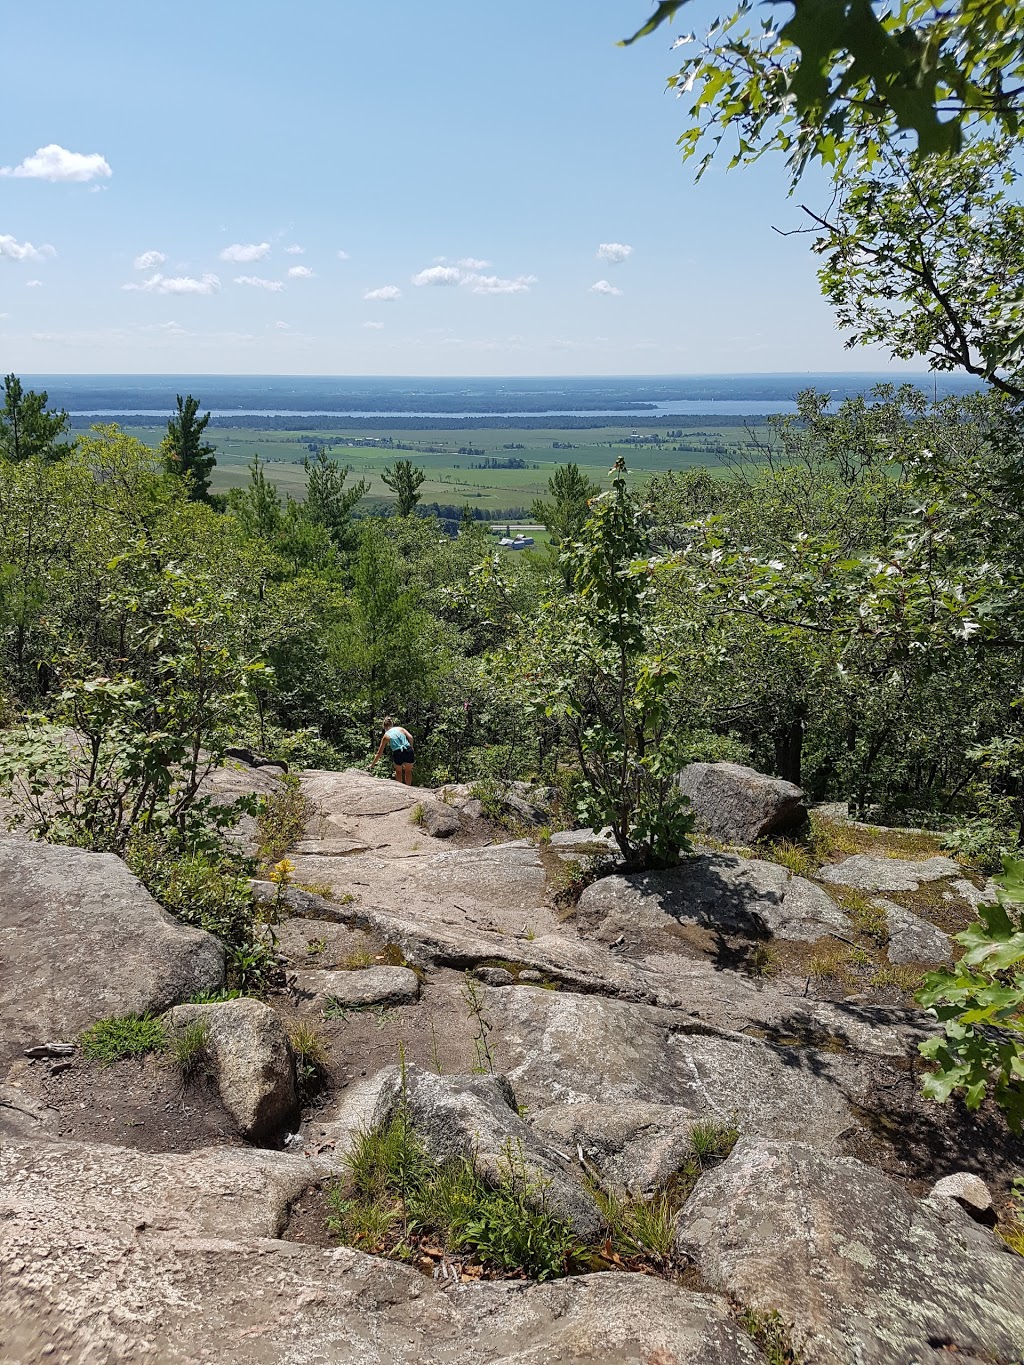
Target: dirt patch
137	1102
307	1219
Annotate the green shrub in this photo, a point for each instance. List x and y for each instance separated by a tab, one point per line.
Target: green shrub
771	1334
127	1035
282	820
211	892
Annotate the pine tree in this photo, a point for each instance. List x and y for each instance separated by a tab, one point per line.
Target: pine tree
27	430
404	478
184	451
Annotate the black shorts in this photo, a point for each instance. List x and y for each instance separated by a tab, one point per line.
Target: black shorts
401	757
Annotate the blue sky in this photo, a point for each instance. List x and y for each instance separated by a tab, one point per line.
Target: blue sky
380	188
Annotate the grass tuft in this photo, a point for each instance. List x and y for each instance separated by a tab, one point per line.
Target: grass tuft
310	1054
127	1035
799	860
906	979
188	1049
763	960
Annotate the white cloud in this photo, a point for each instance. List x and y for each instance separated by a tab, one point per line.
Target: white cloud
148	260
386	294
480	284
33	284
343	256
614	252
439	275
24	251
283	326
494	284
471	263
241	253
603	287
374	326
295	250
300	272
178	284
57	163
275	286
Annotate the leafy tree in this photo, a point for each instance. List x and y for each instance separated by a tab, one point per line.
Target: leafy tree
27	430
843	74
328	502
184	451
602	673
918	256
404	479
980	1003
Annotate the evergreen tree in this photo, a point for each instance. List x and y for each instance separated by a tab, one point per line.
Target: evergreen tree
184	451
566	514
404	479
328	502
27	430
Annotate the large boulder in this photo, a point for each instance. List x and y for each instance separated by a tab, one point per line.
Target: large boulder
82	939
567	1049
717	891
739	805
252	1061
866	1273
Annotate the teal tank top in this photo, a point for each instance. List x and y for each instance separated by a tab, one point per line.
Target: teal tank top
396	739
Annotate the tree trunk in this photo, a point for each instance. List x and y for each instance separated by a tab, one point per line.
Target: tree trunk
789	749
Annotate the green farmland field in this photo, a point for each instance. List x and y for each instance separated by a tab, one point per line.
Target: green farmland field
450	475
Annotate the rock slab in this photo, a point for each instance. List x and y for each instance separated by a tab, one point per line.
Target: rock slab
739	805
65	907
360	989
866	1274
871	872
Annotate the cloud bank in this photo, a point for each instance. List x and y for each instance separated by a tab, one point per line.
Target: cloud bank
448	275
56	163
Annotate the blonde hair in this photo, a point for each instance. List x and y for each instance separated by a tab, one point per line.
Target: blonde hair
388	722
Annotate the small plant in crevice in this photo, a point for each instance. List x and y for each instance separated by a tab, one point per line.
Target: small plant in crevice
867	916
125	1035
188	1049
321	889
357	959
310	1055
481	1042
417	815
770	1333
315	947
1011	1226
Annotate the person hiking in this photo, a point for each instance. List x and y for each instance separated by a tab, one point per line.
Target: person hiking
400	742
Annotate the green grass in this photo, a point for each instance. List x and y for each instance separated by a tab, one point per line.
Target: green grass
396	1199
310	1053
449	476
282	820
127	1035
771	1334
